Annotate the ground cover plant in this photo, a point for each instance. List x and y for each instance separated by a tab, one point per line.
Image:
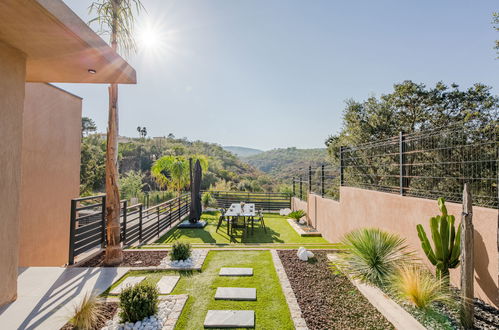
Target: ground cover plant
271	309
328	299
278	231
297	215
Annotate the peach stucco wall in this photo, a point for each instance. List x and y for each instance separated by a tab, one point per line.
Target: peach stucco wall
51	173
12	77
398	214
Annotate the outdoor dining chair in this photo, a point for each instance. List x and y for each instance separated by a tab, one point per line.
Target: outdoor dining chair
221	219
238	223
260	220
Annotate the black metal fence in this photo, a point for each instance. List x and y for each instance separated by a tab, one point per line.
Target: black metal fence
323	180
265	201
138	224
428	164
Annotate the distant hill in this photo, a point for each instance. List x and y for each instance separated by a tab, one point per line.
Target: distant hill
283	164
242	151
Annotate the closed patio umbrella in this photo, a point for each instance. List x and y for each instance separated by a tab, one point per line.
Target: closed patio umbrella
195	209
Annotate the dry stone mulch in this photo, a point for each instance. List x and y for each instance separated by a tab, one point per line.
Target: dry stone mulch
130	259
486	316
108	311
328	299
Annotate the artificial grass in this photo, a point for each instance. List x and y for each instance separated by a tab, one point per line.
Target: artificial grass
271	309
278	231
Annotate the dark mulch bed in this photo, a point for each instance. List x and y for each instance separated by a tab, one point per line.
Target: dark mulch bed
486	316
108	312
130	259
328	299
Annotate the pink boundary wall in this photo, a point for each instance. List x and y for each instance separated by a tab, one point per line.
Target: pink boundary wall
399	214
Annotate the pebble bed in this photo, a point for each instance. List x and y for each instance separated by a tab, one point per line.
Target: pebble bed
169	309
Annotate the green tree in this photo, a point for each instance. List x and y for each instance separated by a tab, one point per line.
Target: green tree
115	18
131	184
87	126
173	171
92	165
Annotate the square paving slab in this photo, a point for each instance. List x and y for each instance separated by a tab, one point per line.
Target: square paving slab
129	281
167	283
229	319
235	294
233	271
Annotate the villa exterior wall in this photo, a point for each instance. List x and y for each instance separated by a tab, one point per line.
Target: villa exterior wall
12	73
51	173
399	214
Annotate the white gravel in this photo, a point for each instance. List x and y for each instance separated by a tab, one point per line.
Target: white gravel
154	322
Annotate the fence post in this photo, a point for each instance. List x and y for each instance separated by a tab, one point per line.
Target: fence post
125	206
301	189
72	233
103	223
140	223
294	194
179	210
322	180
310	179
342	165
158	220
147	200
402	150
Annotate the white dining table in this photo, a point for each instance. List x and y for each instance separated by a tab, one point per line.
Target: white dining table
249	210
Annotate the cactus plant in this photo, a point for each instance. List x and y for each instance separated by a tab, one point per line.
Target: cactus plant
447	242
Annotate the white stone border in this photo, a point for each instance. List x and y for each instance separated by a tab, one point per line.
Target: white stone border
294	308
180	301
302	232
395	314
198	264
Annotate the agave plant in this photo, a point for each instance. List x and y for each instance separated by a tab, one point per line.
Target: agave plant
418	286
373	255
447	242
297	215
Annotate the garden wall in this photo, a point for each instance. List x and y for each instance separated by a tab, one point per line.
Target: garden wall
399	214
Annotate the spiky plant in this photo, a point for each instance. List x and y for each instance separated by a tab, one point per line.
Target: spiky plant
372	255
297	215
417	285
446	240
88	313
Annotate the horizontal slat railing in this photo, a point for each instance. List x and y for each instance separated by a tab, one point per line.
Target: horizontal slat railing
265	201
138	225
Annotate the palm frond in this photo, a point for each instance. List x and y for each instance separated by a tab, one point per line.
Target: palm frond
117	18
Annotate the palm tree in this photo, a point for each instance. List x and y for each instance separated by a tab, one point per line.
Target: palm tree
116	18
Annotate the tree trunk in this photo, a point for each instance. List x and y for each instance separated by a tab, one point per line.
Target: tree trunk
114	254
467	262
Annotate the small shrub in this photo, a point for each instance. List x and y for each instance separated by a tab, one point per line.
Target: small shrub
372	255
418	286
297	215
180	251
88	313
207	200
138	302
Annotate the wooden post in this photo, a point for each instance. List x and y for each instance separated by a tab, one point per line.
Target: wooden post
467	263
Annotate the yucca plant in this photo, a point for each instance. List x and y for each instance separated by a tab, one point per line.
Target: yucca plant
88	313
372	255
446	241
417	285
297	215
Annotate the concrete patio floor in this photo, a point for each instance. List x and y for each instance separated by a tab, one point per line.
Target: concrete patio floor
46	295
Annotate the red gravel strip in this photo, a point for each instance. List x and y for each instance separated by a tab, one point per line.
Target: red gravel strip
328	299
109	309
130	259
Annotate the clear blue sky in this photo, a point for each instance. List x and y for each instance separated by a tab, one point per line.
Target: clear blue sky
276	73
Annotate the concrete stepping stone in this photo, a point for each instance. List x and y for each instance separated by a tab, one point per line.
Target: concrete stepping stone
129	281
229	319
233	271
228	293
167	283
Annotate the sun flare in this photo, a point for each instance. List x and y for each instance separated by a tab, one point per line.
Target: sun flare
155	40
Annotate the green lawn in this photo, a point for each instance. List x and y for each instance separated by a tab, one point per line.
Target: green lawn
271	309
278	231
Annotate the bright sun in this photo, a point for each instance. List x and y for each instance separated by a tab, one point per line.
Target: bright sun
155	40
149	38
